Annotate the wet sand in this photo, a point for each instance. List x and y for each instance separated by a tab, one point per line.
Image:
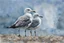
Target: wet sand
31	39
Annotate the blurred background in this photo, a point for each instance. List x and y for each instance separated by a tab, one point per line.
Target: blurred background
52	11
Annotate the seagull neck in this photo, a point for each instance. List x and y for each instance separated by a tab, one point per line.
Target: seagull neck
29	15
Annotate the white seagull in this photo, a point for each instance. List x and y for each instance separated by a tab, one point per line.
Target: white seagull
35	23
23	21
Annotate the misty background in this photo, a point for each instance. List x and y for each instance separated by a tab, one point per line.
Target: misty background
51	10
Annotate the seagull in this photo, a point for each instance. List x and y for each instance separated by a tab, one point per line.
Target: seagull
23	21
35	23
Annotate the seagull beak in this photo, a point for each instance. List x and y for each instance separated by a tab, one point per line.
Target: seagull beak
34	11
41	16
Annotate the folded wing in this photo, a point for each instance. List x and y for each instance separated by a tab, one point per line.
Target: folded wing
34	24
21	22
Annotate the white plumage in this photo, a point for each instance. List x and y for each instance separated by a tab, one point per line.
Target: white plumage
36	22
23	21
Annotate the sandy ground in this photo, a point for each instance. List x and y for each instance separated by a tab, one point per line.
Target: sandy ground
31	39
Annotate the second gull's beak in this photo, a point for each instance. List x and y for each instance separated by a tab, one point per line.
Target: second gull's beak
34	11
41	16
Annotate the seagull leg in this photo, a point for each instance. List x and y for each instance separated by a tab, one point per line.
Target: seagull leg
31	32
25	33
35	32
19	33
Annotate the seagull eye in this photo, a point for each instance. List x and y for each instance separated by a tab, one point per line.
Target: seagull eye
28	9
34	11
37	15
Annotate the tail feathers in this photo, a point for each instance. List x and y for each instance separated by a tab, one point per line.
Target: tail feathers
13	26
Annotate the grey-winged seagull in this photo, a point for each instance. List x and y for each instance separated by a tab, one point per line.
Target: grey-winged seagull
35	23
23	21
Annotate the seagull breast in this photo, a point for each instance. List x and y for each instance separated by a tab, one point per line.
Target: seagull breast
35	23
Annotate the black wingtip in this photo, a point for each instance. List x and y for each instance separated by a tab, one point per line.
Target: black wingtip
5	26
13	26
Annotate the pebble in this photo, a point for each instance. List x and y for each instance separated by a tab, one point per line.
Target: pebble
31	39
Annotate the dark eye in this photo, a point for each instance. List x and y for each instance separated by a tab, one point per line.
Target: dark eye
34	11
37	15
28	9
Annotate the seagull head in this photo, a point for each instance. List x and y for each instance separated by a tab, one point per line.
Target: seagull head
37	15
28	10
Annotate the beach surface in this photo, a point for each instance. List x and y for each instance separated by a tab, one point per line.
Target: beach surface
31	39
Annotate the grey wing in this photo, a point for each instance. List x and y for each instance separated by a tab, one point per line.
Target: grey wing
21	23
25	18
35	23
